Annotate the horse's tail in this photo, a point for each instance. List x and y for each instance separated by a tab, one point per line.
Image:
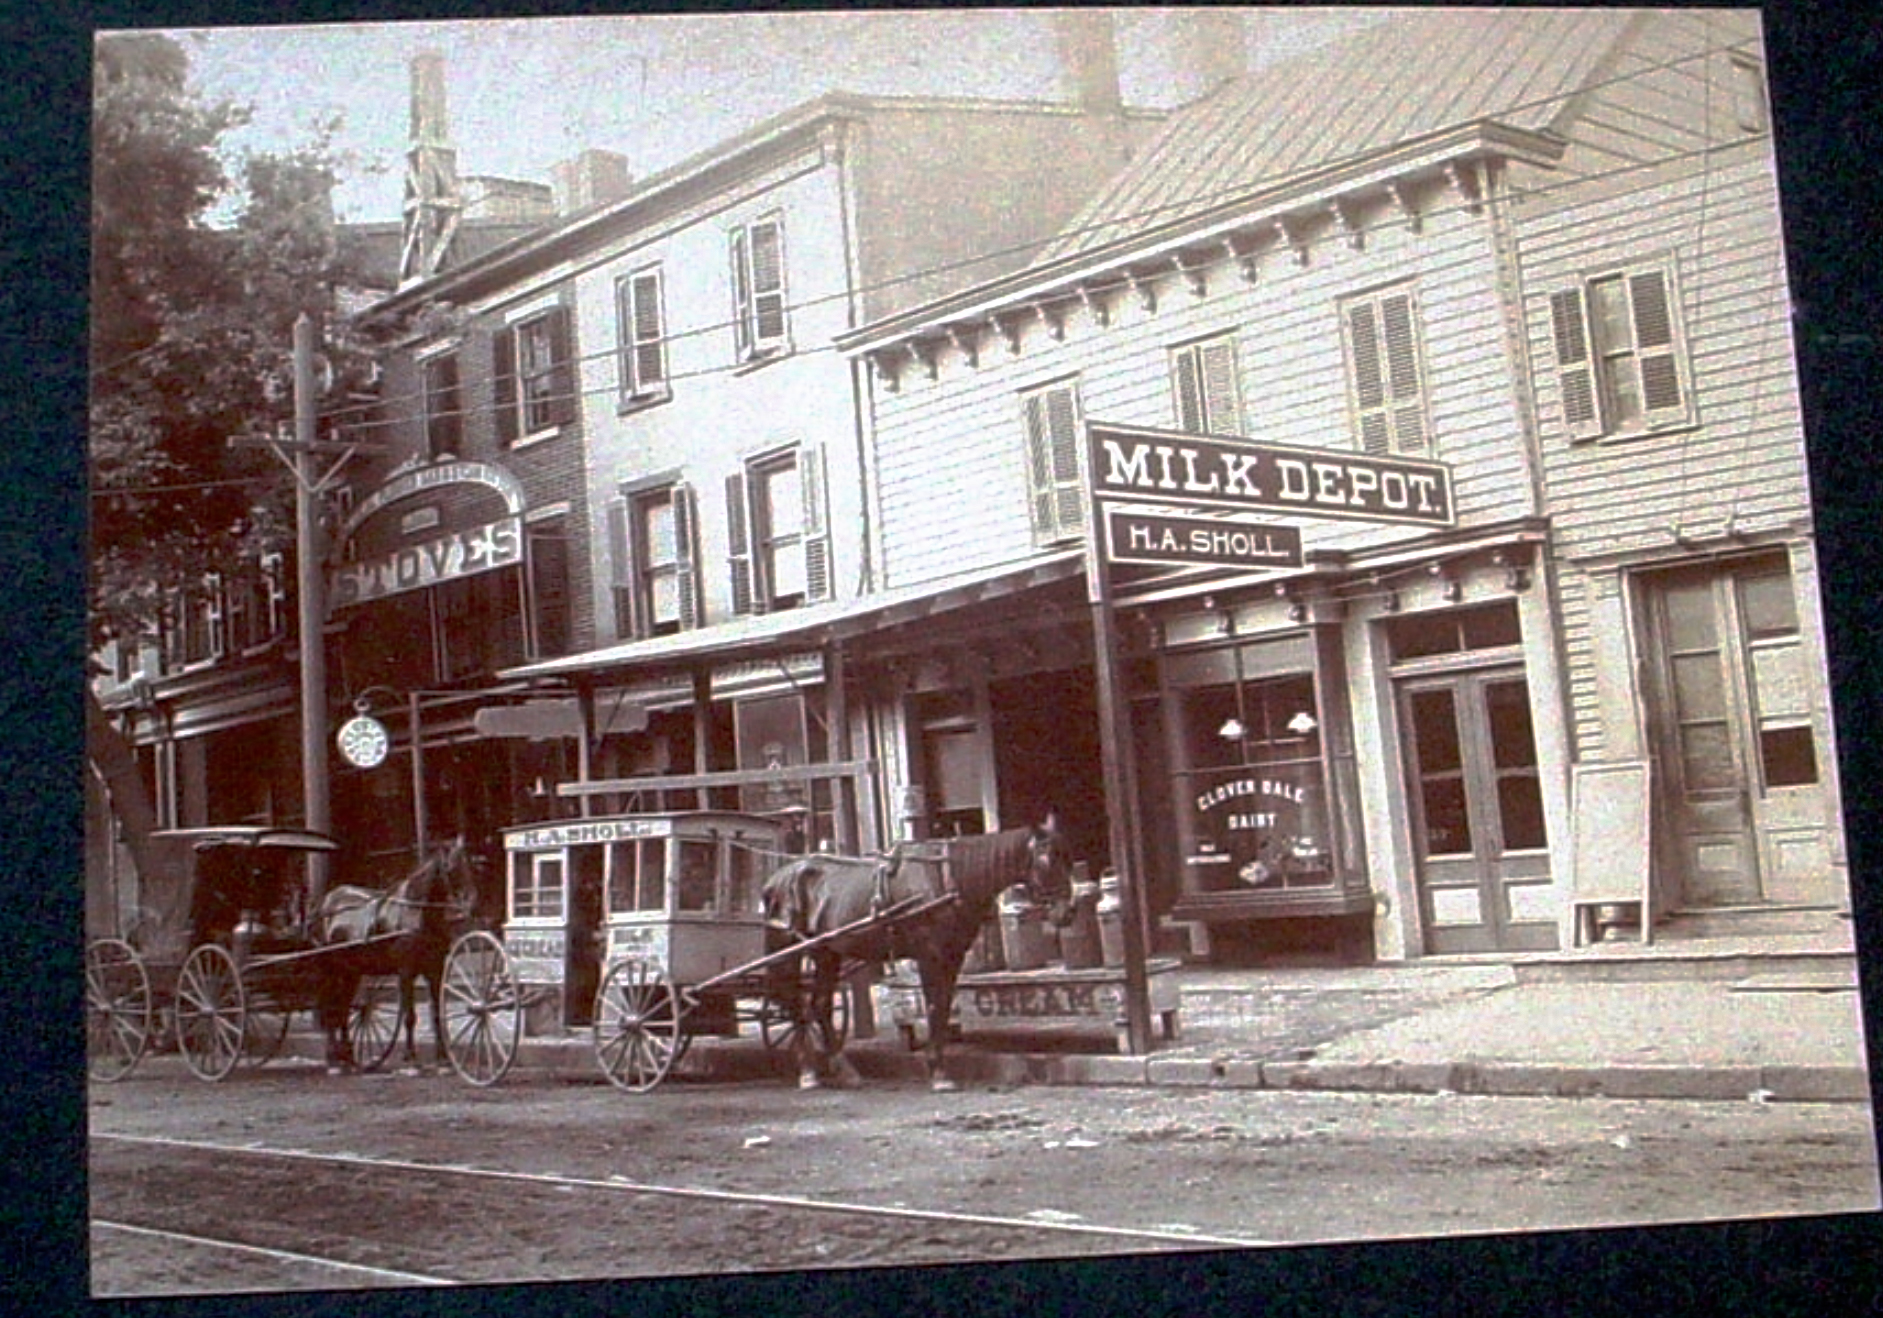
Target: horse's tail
787	897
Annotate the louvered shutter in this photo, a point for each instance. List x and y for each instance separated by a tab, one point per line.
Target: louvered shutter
548	548
1222	402
1369	381
686	577
1404	390
623	571
1062	416
1039	467
1654	341
504	377
817	585
1190	413
1575	369
768	282
739	544
650	368
741	297
560	406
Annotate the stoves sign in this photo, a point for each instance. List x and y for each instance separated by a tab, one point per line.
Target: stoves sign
461	552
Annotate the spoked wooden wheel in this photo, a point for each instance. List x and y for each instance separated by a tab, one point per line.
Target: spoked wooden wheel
483	1009
117	1009
778	1025
374	1024
211	1011
638	1031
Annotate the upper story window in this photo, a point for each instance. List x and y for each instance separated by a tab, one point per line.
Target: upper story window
642	330
1618	353
759	328
651	535
444	405
1385	371
1203	376
778	531
535	375
547	553
1054	491
192	629
254	605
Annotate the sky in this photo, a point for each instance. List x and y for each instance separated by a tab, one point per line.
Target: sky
523	94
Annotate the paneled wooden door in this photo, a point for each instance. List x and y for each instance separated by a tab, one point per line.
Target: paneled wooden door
1477	812
1731	705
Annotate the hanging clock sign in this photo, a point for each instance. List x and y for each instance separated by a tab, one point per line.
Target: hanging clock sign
363	741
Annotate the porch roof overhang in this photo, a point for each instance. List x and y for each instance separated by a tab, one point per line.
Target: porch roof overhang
796	630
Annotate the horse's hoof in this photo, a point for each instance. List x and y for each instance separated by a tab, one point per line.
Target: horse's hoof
941	1084
809	1082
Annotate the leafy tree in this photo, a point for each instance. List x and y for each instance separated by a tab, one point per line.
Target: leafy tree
191	344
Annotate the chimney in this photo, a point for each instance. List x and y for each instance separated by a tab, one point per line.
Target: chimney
590	178
432	203
1088	54
1210	47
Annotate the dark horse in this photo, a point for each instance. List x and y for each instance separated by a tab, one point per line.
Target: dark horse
405	930
819	894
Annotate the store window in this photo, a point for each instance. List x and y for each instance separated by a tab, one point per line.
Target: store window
1251	786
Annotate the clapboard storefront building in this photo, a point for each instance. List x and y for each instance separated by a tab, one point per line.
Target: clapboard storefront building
1541	263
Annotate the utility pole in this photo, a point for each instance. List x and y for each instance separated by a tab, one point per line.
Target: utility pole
311	596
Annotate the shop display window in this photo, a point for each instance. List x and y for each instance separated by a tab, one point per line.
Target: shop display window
1251	790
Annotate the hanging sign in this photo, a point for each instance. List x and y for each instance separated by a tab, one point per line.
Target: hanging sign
1136	535
1172	467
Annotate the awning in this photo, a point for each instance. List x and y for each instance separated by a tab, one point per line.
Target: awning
814	625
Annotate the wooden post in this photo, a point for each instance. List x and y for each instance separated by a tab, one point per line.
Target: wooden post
837	730
702	730
1119	767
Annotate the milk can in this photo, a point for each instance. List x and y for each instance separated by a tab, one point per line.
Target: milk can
1111	920
1079	939
1022	930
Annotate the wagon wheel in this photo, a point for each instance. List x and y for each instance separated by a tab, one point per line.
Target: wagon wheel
211	1012
483	1009
779	1027
118	1018
374	1025
639	1033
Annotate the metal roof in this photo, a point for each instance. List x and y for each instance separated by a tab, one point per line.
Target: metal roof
801	628
1414	74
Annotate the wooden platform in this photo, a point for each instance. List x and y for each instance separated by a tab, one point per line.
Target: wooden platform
1048	995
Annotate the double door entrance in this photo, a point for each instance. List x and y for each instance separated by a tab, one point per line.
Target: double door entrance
1745	814
1477	812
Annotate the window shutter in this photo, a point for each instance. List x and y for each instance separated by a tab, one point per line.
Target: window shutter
1369	382
1654	338
739	543
1222	404
817	585
1063	417
1190	414
741	297
1569	322
561	404
622	570
1404	390
768	282
649	367
1039	467
216	635
686	577
504	376
444	413
548	548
